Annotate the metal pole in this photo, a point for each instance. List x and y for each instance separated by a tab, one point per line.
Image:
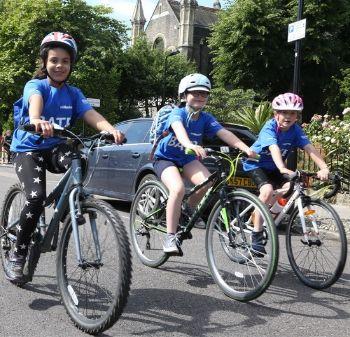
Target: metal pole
174	52
292	160
297	53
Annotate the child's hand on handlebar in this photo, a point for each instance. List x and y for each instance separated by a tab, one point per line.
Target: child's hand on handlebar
323	174
284	170
199	151
118	136
251	154
43	127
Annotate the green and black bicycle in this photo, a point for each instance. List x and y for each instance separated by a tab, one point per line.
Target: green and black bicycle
238	270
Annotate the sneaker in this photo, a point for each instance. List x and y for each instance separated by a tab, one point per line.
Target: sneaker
170	245
258	243
14	268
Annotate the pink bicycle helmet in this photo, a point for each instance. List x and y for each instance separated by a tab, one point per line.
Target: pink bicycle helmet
56	39
287	101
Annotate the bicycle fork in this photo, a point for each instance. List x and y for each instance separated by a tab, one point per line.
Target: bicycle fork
77	219
306	233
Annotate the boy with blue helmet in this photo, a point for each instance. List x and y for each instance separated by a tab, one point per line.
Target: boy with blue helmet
187	125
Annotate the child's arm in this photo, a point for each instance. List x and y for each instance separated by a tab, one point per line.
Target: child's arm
232	140
98	122
278	160
183	139
317	158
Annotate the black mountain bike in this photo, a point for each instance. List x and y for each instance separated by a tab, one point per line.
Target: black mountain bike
238	270
93	253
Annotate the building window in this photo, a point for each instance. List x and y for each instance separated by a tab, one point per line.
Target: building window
158	44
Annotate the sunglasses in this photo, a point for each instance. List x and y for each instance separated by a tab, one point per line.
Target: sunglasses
199	93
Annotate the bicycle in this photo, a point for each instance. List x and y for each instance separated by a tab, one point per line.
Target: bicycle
315	237
93	261
239	272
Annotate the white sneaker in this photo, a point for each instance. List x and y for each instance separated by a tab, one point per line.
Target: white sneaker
169	245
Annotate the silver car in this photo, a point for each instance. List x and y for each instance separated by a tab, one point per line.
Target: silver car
116	171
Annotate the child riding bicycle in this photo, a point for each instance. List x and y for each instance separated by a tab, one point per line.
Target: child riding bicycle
47	99
276	139
187	125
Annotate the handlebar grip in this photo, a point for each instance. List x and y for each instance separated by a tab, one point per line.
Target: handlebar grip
189	152
336	186
291	180
27	127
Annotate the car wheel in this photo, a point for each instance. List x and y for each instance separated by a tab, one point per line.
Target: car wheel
148	177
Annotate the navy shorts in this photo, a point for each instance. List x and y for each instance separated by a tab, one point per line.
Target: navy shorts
262	177
160	165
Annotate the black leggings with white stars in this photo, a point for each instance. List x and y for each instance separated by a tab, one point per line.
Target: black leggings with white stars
31	170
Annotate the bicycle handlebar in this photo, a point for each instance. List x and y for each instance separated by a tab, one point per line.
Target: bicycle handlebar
64	133
334	178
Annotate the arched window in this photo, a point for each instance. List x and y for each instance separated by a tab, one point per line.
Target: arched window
158	44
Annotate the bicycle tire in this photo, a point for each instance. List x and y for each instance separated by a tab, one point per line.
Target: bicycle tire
147	236
95	293
332	248
238	272
11	209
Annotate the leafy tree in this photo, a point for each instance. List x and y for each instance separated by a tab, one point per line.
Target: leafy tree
250	48
225	103
100	41
152	75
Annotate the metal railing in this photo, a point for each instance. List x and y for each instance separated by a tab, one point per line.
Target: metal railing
336	162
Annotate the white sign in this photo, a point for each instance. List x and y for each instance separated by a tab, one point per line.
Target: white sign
94	102
296	30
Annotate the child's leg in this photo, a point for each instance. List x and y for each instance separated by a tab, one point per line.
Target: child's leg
173	181
196	173
266	196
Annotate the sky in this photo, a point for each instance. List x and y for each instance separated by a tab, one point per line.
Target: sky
123	9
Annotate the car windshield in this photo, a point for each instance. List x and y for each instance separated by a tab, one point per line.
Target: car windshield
135	130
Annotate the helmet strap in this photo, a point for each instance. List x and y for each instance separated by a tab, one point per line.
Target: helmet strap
191	110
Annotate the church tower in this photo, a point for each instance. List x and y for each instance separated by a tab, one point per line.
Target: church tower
187	16
138	22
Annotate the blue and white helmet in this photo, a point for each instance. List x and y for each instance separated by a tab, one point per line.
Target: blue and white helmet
194	82
197	82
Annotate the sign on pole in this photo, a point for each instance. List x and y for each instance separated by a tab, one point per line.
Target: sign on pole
296	30
94	102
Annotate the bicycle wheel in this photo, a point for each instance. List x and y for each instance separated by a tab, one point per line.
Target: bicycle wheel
13	204
94	292
318	258
240	272
148	223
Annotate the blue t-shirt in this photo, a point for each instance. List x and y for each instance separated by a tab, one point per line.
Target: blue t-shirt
270	134
61	105
169	147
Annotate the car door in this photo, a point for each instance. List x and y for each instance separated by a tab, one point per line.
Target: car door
125	159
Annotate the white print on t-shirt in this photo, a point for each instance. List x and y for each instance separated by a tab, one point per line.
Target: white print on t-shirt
61	121
175	143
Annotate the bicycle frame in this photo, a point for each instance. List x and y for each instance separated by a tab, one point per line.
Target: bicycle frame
67	193
298	198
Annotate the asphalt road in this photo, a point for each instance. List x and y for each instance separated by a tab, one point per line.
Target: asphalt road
180	299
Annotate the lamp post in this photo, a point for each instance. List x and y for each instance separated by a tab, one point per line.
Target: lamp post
172	53
297	53
292	160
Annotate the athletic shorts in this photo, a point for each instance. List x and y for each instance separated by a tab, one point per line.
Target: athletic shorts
160	165
262	177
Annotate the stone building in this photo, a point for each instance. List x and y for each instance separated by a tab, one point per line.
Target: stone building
182	25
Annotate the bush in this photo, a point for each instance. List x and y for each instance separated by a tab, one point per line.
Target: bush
331	135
